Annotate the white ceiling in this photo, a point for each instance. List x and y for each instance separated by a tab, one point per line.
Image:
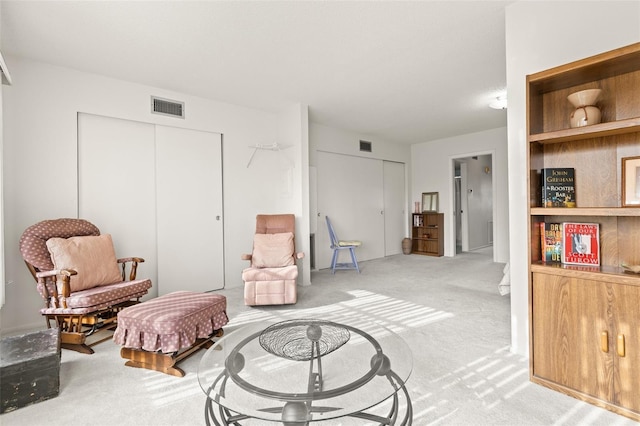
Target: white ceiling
405	72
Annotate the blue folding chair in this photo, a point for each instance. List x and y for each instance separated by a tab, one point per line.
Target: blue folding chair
338	245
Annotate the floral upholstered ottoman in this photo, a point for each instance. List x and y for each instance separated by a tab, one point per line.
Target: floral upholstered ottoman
159	333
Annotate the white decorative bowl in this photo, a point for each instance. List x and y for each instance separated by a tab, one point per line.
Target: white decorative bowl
584	98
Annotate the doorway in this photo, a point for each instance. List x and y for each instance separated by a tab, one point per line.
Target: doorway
473	195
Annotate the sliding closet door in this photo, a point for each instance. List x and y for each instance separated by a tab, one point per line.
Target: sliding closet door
116	185
350	192
189	210
395	216
158	191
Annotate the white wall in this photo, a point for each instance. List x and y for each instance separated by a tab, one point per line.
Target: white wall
293	127
2	267
542	35
40	140
2	275
433	171
339	141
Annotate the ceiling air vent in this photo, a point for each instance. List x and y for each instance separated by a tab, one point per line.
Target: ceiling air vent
167	107
365	146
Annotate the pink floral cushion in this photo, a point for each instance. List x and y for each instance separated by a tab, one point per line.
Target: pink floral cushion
272	250
98	298
92	257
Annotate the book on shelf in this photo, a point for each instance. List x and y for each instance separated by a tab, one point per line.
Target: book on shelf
558	187
418	220
551	242
581	243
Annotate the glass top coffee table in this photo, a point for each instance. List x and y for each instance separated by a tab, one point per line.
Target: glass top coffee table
301	371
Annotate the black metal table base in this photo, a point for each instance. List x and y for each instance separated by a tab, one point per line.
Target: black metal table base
216	415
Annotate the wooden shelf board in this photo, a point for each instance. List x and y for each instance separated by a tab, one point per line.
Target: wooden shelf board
585	211
612	274
598	67
630	125
583	396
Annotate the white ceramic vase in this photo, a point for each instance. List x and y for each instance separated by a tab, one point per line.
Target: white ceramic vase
586	112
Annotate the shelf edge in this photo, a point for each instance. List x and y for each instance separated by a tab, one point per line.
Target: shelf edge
585	211
612	128
610	274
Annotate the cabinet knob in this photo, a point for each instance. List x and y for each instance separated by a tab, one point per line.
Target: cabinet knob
620	345
604	341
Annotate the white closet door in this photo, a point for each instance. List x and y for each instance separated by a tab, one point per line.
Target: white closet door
158	191
350	192
116	185
189	210
395	215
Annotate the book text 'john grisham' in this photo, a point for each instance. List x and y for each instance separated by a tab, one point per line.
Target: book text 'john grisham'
558	187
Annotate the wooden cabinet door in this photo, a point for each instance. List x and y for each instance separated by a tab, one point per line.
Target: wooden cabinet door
569	317
626	314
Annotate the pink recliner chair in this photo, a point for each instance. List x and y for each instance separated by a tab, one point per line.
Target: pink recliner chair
271	278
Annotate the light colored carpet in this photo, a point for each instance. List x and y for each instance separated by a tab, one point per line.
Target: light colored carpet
447	309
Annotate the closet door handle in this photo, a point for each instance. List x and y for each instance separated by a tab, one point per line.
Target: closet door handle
604	341
620	345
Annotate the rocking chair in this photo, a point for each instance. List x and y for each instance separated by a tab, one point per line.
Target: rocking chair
79	278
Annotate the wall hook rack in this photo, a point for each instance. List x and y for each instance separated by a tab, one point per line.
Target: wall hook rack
271	147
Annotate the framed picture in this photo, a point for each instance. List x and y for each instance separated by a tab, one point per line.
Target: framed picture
630	182
429	201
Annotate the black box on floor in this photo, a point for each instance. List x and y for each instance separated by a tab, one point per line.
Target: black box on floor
29	369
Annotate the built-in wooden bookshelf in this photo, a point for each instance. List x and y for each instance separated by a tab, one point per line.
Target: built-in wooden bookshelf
585	321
